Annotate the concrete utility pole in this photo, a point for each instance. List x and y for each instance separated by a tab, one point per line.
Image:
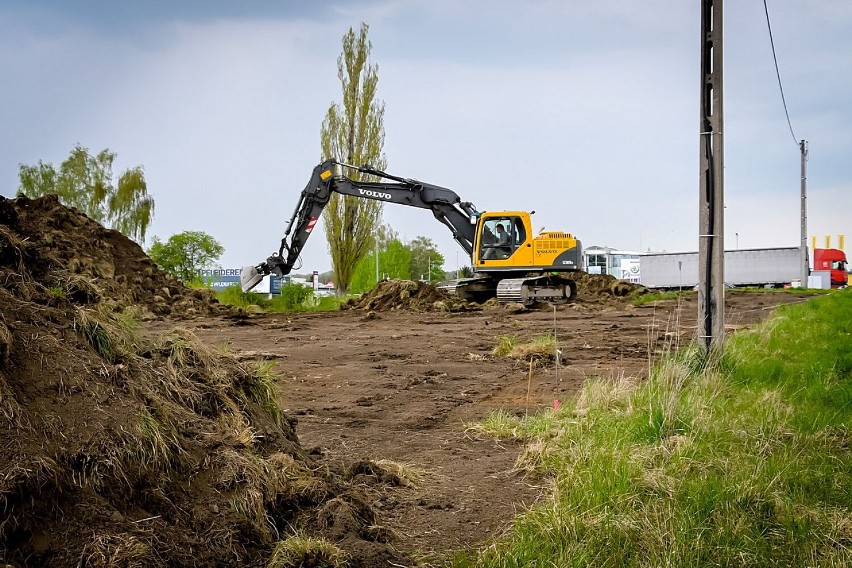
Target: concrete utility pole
711	201
803	147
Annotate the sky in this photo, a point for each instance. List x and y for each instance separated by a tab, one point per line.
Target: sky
585	112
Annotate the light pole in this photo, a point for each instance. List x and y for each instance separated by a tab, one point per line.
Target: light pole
737	235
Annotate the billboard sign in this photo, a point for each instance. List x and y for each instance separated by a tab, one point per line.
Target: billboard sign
630	270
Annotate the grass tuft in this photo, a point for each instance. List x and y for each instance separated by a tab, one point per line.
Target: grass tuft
297	551
539	349
409	475
126	550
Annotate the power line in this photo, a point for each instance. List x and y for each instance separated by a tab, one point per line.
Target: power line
778	73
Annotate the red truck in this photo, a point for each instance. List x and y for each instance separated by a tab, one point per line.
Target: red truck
835	261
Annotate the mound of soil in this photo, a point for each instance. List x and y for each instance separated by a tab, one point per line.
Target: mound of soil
66	251
117	450
597	288
410	295
407	295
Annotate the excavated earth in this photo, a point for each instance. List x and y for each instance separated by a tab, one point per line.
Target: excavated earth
141	426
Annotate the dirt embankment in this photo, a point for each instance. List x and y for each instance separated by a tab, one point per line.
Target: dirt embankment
120	451
408	295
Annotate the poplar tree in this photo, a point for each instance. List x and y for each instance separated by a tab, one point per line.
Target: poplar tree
85	181
353	131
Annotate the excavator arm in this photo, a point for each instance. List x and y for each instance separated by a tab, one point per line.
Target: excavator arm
327	178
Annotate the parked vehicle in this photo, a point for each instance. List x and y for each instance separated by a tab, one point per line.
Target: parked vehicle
833	260
744	267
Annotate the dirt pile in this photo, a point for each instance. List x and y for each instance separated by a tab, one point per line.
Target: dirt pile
407	295
117	450
602	288
67	252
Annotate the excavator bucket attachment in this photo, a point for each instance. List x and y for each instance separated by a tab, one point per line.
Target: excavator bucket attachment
249	278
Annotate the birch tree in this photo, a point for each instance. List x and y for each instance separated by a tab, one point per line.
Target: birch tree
353	131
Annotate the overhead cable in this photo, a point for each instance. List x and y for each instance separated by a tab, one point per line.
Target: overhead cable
778	73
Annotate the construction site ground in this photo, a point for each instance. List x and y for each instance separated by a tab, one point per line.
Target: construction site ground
404	386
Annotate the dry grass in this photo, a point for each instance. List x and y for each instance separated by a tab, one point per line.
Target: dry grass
408	474
299	483
5	344
249	483
108	551
211	382
24	475
77	288
610	394
255	486
540	351
11	411
298	551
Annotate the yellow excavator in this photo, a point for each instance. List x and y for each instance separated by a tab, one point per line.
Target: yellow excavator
509	262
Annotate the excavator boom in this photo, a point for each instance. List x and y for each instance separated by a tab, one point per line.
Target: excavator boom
327	178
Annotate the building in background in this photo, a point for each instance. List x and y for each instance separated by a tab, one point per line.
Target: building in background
622	264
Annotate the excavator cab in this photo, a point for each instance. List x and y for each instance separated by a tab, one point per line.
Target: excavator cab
501	235
505	241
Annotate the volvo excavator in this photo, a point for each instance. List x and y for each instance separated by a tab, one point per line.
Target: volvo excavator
508	261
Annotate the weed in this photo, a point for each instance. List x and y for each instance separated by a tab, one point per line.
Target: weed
111	335
505	343
55	292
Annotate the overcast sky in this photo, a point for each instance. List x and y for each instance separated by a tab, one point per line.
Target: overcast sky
586	112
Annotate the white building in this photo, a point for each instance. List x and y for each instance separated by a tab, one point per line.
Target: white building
622	264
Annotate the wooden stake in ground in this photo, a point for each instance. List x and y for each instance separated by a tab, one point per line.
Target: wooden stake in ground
529	383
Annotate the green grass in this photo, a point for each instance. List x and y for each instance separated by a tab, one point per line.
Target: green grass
674	294
293	298
745	462
656	297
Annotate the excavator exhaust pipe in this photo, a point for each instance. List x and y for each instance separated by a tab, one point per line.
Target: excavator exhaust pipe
249	278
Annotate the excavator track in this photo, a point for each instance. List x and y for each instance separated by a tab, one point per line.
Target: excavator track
471	289
529	291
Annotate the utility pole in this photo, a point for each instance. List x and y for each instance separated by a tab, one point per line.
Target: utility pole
711	200
377	260
803	148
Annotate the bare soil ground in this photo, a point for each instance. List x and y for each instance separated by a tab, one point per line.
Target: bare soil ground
402	386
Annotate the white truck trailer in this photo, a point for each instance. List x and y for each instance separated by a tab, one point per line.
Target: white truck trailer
744	267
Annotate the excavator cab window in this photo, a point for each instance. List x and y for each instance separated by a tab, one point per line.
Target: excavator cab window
501	237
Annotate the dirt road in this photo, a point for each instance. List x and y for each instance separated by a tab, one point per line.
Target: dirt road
402	386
